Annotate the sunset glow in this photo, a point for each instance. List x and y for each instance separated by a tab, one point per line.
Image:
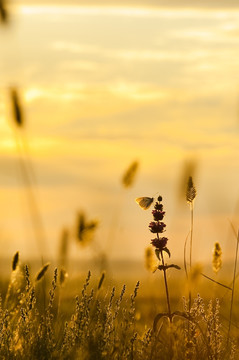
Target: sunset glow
102	86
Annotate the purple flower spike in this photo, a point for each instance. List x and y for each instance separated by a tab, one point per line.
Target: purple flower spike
158	215
156	227
158	206
159	243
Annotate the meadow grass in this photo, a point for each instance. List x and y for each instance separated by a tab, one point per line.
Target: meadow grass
93	319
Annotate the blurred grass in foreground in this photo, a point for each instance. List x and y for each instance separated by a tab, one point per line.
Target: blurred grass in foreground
103	317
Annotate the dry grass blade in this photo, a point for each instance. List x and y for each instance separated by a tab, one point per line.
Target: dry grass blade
42	272
217	282
15	261
17	108
233	228
157	318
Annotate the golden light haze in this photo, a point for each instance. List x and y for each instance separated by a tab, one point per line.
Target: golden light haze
103	86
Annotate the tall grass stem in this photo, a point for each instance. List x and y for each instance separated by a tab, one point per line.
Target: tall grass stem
166	288
233	288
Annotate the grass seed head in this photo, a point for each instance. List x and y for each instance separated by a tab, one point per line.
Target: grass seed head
4	16
191	190
101	280
42	272
130	174
17	108
15	261
217	257
85	229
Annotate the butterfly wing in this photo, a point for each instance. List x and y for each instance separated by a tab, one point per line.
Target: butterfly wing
144	202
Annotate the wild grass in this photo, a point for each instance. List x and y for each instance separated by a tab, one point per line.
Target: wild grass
107	322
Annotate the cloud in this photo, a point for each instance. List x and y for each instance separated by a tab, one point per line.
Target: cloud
177	4
74	47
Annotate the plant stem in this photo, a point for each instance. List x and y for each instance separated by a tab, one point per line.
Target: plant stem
166	288
190	259
233	288
191	234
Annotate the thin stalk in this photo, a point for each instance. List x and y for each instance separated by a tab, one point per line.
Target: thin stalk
190	262
233	288
166	288
191	250
185	256
216	282
191	234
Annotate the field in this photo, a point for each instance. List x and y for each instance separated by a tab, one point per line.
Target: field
111	315
86	89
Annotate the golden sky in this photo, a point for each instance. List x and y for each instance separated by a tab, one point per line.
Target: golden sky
105	85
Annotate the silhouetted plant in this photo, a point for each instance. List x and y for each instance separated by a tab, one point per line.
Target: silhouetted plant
157	226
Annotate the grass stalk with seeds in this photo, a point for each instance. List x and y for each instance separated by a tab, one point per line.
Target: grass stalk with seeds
190	196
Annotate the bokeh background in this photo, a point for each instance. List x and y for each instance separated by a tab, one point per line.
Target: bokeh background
103	84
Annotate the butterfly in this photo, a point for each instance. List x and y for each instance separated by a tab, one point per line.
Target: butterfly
144	202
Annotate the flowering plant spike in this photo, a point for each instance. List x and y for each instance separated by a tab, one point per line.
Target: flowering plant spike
157	227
